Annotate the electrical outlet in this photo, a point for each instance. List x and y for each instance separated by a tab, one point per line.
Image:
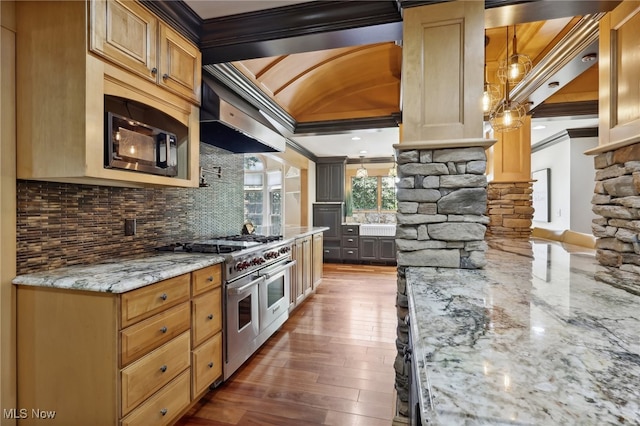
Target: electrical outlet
129	227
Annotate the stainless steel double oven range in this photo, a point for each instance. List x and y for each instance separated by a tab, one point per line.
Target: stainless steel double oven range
256	288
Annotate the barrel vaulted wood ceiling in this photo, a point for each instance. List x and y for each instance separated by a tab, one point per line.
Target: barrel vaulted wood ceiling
327	66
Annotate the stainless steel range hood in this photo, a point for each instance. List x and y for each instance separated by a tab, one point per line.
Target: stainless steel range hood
231	123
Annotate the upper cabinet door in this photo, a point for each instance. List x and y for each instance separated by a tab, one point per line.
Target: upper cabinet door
180	64
125	33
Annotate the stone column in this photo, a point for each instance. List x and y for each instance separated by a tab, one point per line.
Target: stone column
510	203
441	158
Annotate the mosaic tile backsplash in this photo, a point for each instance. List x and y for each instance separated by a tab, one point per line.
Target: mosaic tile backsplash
66	224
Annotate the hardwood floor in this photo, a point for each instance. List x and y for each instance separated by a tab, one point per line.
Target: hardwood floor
330	364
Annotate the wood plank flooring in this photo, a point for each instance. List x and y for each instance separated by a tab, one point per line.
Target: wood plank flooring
330	364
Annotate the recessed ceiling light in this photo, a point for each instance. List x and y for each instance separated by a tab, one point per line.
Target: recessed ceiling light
355	138
363	152
539	127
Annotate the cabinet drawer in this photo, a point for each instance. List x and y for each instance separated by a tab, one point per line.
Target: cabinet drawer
144	302
163	407
207	364
350	229
205	279
143	337
332	253
148	374
206	316
351	242
350	254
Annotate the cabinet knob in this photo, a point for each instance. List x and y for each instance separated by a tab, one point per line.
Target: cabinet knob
154	70
164	329
164	411
210	316
210	279
165	76
163	296
163	368
210	365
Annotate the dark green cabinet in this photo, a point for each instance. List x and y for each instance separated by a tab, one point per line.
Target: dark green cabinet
331	216
377	249
330	180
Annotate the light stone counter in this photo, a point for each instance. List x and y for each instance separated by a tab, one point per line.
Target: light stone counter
120	275
302	231
525	341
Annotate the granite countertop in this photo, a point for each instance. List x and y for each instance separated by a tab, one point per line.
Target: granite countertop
121	275
529	340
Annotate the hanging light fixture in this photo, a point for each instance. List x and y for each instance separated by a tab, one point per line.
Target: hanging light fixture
508	115
516	66
491	94
362	172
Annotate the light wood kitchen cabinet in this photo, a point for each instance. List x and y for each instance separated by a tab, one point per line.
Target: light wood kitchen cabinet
317	255
64	86
206	328
306	274
129	35
136	358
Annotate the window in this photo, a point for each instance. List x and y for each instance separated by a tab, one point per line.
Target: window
262	196
376	193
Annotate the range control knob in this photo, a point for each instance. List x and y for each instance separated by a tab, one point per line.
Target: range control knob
284	250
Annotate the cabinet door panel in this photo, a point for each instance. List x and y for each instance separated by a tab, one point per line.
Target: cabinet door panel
148	374
387	249
180	64
329	215
125	33
206	315
368	248
317	259
207	364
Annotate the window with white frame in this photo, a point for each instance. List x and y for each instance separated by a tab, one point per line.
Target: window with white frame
262	195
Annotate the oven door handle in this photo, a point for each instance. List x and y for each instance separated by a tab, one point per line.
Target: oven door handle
273	272
242	289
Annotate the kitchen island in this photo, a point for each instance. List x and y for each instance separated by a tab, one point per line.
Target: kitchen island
531	339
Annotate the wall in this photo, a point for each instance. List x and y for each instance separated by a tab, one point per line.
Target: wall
571	177
7	208
66	224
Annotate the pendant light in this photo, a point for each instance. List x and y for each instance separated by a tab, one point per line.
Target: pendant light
508	115
491	94
516	66
362	172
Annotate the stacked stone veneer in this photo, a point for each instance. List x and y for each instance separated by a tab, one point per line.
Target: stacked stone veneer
616	201
510	209
441	222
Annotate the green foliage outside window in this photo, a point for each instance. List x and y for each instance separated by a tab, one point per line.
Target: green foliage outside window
389	200
364	193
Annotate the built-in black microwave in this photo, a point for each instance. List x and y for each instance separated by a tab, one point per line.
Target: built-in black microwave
132	145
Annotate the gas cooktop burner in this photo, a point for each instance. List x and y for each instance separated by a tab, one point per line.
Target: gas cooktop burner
221	244
254	237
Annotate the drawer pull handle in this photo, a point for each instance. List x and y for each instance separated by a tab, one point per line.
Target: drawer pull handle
326	251
210	365
350	240
163	411
163	368
164	329
210	279
163	296
210	316
350	252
